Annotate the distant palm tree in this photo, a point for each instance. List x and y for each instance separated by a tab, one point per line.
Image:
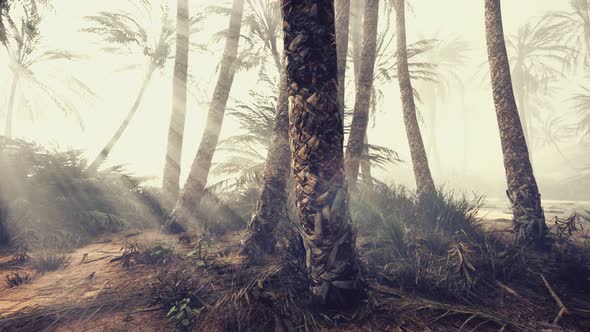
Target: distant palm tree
364	88
528	217
30	63
194	188
574	27
171	176
126	33
424	181
537	57
342	12
581	102
447	55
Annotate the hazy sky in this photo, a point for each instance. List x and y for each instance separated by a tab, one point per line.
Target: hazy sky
466	132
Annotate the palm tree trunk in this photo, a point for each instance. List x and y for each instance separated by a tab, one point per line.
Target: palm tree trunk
365	162
424	182
104	153
316	139
193	190
271	206
10	110
356	26
171	177
342	22
528	216
360	117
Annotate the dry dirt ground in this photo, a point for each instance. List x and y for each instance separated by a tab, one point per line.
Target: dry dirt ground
73	298
89	275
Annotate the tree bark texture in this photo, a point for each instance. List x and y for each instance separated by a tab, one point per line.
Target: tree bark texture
271	206
171	177
193	190
316	137
360	117
528	215
342	24
424	182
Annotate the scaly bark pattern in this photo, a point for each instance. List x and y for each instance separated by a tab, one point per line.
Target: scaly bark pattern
271	206
424	182
360	116
193	190
528	215
316	137
170	179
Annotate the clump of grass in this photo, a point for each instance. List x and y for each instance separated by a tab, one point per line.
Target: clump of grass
17	279
48	260
153	254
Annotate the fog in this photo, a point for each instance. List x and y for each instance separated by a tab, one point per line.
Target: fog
467	156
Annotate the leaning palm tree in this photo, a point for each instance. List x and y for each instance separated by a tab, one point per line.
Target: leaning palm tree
316	136
171	177
126	34
424	182
35	81
528	216
364	83
193	190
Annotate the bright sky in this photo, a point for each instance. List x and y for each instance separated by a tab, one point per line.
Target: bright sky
473	164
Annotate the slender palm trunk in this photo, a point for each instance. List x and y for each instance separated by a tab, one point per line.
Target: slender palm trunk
360	117
356	18
10	109
424	182
193	190
342	23
271	206
528	216
104	153
316	136
171	177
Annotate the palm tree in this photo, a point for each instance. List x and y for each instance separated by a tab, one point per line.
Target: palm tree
171	177
271	205
316	136
125	33
537	57
574	27
528	216
342	26
581	102
360	117
30	64
193	190
424	182
447	56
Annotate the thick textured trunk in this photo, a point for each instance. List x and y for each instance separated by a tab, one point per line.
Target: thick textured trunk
528	216
170	180
104	153
193	190
342	22
316	136
271	206
424	182
360	117
10	109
